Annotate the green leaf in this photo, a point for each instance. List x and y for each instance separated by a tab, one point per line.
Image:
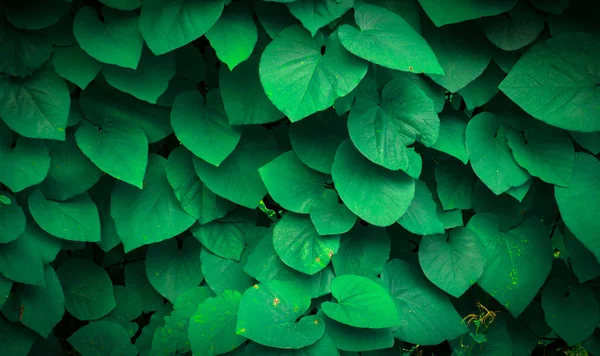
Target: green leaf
518	261
150	215
363	252
545	152
195	198
15	339
243	97
482	90
12	218
348	338
381	131
556	82
212	329
452	135
223	274
462	55
102	338
5	288
583	262
427	316
324	346
35	14
272	314
300	74
26	164
136	279
237	178
148	81
316	139
579	204
314	14
421	216
588	140
291	184
490	154
234	34
23	51
167	26
173	270
452	263
114	40
330	216
76	219
361	303
203	127
125	5
38	308
300	246
129	304
83	73
521	191
571	311
71	173
225	239
443	13
21	261
274	17
520	27
121	152
36	107
377	195
552	6
88	289
107	108
392	42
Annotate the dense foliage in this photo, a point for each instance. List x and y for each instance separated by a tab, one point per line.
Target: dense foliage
299	177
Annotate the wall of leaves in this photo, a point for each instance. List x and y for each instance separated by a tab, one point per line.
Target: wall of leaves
299	177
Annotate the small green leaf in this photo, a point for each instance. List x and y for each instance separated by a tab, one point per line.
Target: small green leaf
330	216
136	279
452	135
88	289
15	339
12	218
83	73
223	274
480	91
23	51
520	27
363	252
421	216
348	338
299	246
21	261
272	314
314	14
444	13
361	303
225	239
102	338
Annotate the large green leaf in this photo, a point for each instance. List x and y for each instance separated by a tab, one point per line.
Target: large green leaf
421	216
195	198
300	246
234	34
12	218
150	215
37	106
557	82
244	99
236	178
455	262
102	338
518	261
23	51
291	184
316	139
300	74
148	81
314	14
88	289
579	203
571	311
71	173
386	39
381	131
114	40
212	329
427	316
490	155
363	252
545	152
76	219
272	314
375	194
38	308
361	302
21	261
121	152
166	26
203	127
173	270
442	12
81	74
